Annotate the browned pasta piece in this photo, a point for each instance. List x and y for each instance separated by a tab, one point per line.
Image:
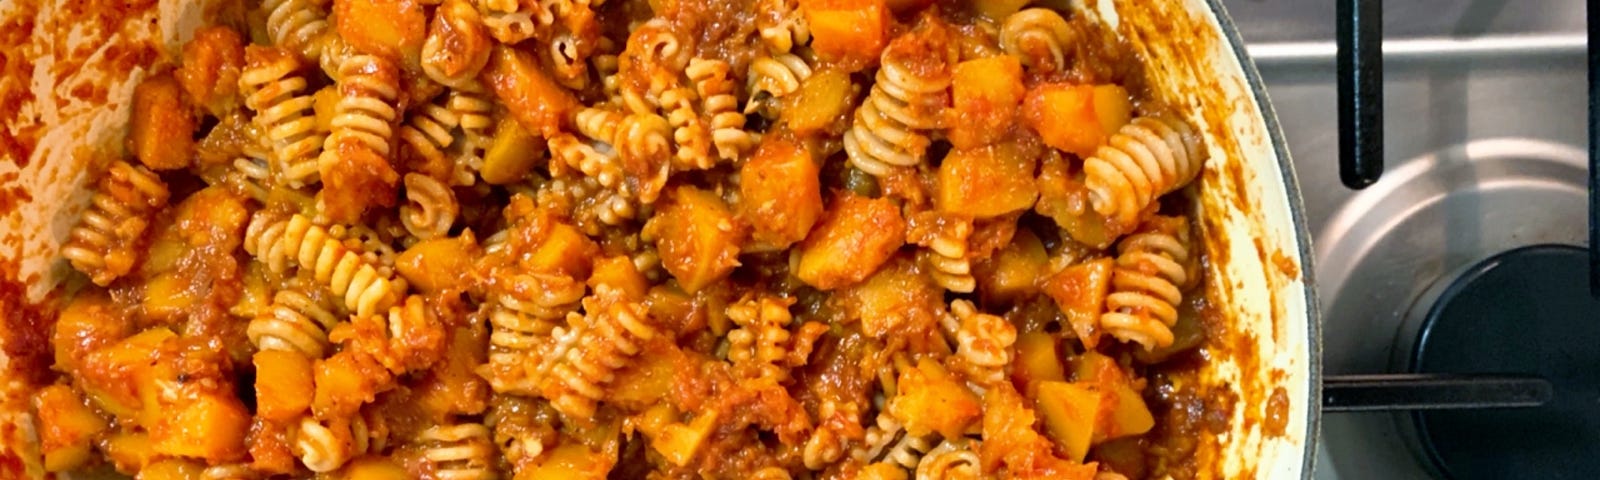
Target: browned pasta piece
126	199
888	129
521	321
1145	159
296	241
325	445
611	332
459	451
430	208
296	322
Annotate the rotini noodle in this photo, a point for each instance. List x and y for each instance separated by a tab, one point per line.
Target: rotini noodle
782	27
459	452
951	460
1146	285
430	207
885	131
983	342
277	243
772	78
273	91
298	24
518	326
457	47
325	446
613	329
365	113
1036	36
295	322
715	87
946	253
125	200
1145	159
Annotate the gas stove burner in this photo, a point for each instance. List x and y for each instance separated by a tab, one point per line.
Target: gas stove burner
1523	311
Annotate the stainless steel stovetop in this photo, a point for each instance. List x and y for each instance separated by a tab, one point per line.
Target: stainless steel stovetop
1485	115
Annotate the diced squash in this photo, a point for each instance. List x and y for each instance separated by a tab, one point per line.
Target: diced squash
209	427
998	10
433	265
882	471
1014	272
344	382
619	272
1037	361
269	448
66	427
895	300
697	236
283	384
117	377
564	250
1070	411
372	468
855	236
1076	118
570	460
161	130
392	28
823	100
128	451
171	469
780	194
986	94
1123	411
324	104
931	400
679	443
645	381
511	154
88	322
533	98
1080	292
210	69
986	182
168	296
850	33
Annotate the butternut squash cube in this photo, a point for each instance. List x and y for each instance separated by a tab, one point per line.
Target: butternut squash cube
210	427
697	236
931	400
1076	118
543	106
391	28
433	265
128	451
780	195
172	469
283	384
1070	411
564	250
1123	411
161	130
66	427
1080	292
851	241
1037	361
619	272
372	468
987	92
512	153
1015	271
850	33
823	100
986	182
679	443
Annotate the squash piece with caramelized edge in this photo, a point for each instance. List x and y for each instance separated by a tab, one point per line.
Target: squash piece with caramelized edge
391	28
850	33
209	426
1123	411
66	426
855	236
512	153
986	93
283	384
209	71
697	236
1080	292
897	300
1070	412
1076	118
1037	361
433	265
564	250
543	106
1012	273
88	322
823	100
619	272
161	129
986	182
118	377
780	196
930	400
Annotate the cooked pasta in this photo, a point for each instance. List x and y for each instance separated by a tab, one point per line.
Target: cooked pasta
1037	37
1146	286
125	200
888	129
273	91
1147	158
766	239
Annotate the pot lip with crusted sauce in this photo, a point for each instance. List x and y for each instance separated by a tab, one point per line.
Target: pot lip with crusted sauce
67	96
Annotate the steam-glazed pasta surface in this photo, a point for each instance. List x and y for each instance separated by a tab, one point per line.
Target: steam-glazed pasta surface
761	239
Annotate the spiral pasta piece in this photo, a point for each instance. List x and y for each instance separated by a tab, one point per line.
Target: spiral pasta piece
946	253
458	452
124	201
1146	283
1036	36
908	451
324	446
951	460
429	131
368	89
296	322
774	77
518	326
252	177
232	471
511	21
887	129
457	46
1147	158
714	84
689	132
430	208
612	331
762	338
297	24
983	343
273	91
595	159
782	27
329	262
